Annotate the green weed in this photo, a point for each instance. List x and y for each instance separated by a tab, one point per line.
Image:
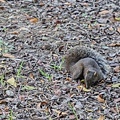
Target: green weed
73	111
2	82
46	75
10	117
58	67
19	70
27	87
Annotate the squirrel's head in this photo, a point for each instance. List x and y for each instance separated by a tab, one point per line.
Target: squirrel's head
90	78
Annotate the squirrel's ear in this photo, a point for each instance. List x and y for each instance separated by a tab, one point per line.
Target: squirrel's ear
95	73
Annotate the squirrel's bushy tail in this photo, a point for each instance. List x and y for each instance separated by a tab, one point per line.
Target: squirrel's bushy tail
80	52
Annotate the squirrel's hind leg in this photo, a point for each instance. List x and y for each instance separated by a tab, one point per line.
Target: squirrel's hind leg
77	71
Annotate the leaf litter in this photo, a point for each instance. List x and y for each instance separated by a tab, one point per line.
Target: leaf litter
39	33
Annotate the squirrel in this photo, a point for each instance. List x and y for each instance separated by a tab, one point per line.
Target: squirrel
86	63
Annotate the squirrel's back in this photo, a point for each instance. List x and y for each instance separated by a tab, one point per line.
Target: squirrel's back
79	52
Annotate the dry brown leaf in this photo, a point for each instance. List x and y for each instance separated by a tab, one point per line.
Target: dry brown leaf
41	4
57	111
114	45
67	3
117	69
60	113
31	76
117	100
8	55
118	29
43	103
2	8
34	20
83	88
84	4
42	81
68	79
15	32
104	12
101	117
2	1
100	99
111	28
38	105
3	102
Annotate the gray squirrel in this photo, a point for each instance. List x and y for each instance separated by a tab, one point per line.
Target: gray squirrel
86	63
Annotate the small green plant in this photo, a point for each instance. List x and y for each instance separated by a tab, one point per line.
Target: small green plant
73	111
4	47
46	75
2	82
19	70
27	87
10	117
57	67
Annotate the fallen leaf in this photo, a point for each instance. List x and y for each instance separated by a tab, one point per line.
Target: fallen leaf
113	109
117	100
34	20
118	29
3	101
11	81
89	110
104	12
111	28
84	4
68	79
42	81
117	18
43	103
83	88
41	4
2	1
114	45
117	69
116	85
101	117
67	3
24	29
100	99
2	8
8	55
15	32
31	76
60	113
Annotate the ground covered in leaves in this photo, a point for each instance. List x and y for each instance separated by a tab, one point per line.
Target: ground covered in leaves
34	36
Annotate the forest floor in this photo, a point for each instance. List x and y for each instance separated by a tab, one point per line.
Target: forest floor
34	37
